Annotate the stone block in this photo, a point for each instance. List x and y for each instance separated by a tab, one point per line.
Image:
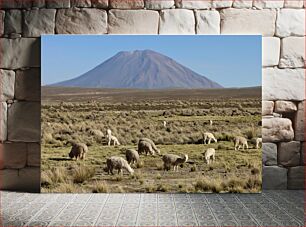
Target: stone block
103	4
20	53
248	21
285	107
39	4
208	22
270	51
178	21
25	180
24	122
81	21
296	176
293	4
269	154
3	121
39	22
2	15
34	154
191	4
283	84
299	122
140	22
293	52
262	4
56	4
13	21
222	3
15	4
242	4
290	22
289	154
13	155
277	129
303	158
80	3
126	4
7	85
28	85
274	177
267	107
159	4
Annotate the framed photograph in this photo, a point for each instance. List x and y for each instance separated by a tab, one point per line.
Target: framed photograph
136	114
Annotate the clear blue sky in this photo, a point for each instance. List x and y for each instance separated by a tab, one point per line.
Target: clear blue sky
232	61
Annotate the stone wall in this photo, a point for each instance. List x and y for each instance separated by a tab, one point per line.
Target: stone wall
281	22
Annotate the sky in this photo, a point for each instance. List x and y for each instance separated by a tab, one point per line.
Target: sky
232	61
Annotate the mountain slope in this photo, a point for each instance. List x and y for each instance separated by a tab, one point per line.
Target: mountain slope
140	69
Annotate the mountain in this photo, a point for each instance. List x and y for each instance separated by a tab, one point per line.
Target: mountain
145	69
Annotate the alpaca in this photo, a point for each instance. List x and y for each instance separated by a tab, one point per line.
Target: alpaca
173	160
209	153
118	163
208	136
132	156
78	150
238	141
147	146
258	141
114	139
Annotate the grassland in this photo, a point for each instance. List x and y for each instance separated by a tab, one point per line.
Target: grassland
72	114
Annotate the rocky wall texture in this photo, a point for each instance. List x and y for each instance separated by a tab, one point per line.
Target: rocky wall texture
281	22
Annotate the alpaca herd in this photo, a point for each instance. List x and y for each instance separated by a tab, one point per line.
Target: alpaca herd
146	146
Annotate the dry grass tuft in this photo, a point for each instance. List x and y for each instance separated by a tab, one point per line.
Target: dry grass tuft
100	187
82	173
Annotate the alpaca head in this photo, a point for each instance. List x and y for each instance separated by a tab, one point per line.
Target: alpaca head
186	157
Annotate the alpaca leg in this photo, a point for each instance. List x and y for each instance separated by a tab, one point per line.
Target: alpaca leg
109	142
209	140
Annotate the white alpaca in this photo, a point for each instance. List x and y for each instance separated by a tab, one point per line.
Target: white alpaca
238	141
209	153
108	132
258	141
114	139
165	124
208	136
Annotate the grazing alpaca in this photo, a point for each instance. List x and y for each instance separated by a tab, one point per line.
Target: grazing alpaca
78	151
209	153
118	163
147	146
114	139
208	136
132	156
258	141
173	160
238	141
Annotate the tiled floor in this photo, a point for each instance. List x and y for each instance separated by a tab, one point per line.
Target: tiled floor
271	208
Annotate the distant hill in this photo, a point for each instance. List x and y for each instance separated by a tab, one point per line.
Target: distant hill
145	69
